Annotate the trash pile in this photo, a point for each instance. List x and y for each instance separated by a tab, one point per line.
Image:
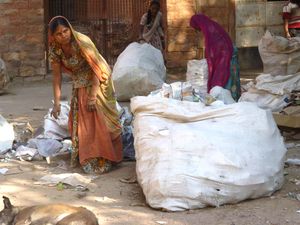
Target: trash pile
139	70
127	133
278	89
50	140
195	88
18	140
192	156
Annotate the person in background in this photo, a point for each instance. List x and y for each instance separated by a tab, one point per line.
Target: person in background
152	27
291	17
221	55
93	120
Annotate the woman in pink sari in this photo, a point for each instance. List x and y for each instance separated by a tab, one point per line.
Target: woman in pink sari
221	55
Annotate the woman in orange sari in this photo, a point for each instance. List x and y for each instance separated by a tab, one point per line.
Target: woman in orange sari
93	120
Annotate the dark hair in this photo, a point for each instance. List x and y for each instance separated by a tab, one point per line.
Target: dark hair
149	16
295	2
56	22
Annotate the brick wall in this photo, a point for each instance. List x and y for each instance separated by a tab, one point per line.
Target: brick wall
22	38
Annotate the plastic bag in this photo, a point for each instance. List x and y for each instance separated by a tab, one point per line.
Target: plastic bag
139	70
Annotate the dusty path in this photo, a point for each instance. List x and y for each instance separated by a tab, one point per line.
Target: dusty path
119	203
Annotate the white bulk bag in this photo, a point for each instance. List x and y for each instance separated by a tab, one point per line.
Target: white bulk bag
190	156
197	74
139	70
279	55
7	135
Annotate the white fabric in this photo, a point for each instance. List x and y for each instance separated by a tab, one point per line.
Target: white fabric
280	56
190	156
7	135
139	70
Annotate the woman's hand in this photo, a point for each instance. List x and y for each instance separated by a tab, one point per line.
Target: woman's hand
288	35
91	104
55	111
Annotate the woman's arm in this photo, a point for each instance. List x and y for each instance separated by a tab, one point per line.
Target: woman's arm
141	32
56	89
92	99
286	28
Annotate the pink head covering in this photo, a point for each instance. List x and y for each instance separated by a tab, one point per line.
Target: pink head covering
218	50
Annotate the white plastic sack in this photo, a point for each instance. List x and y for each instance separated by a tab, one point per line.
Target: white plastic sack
57	128
197	75
26	153
265	100
280	84
139	70
73	179
222	94
272	92
190	156
279	55
46	147
7	135
182	91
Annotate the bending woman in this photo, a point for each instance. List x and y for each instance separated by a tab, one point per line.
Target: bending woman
151	26
93	120
220	54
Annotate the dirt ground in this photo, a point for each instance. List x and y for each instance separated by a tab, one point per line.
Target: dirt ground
115	202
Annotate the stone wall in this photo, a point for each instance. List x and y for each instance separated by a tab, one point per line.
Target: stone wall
22	38
182	40
184	43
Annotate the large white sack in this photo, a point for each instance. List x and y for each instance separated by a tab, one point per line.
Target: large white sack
272	92
139	70
197	74
279	55
280	84
7	135
190	156
265	100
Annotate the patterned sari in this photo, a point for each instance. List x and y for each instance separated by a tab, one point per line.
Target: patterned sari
96	135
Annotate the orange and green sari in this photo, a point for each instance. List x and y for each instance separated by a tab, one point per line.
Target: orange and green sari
96	136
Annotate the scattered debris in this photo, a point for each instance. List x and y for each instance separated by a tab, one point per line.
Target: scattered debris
295	162
129	180
290	145
295	181
294	195
138	204
3	171
161	222
23	132
39	108
26	154
73	179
